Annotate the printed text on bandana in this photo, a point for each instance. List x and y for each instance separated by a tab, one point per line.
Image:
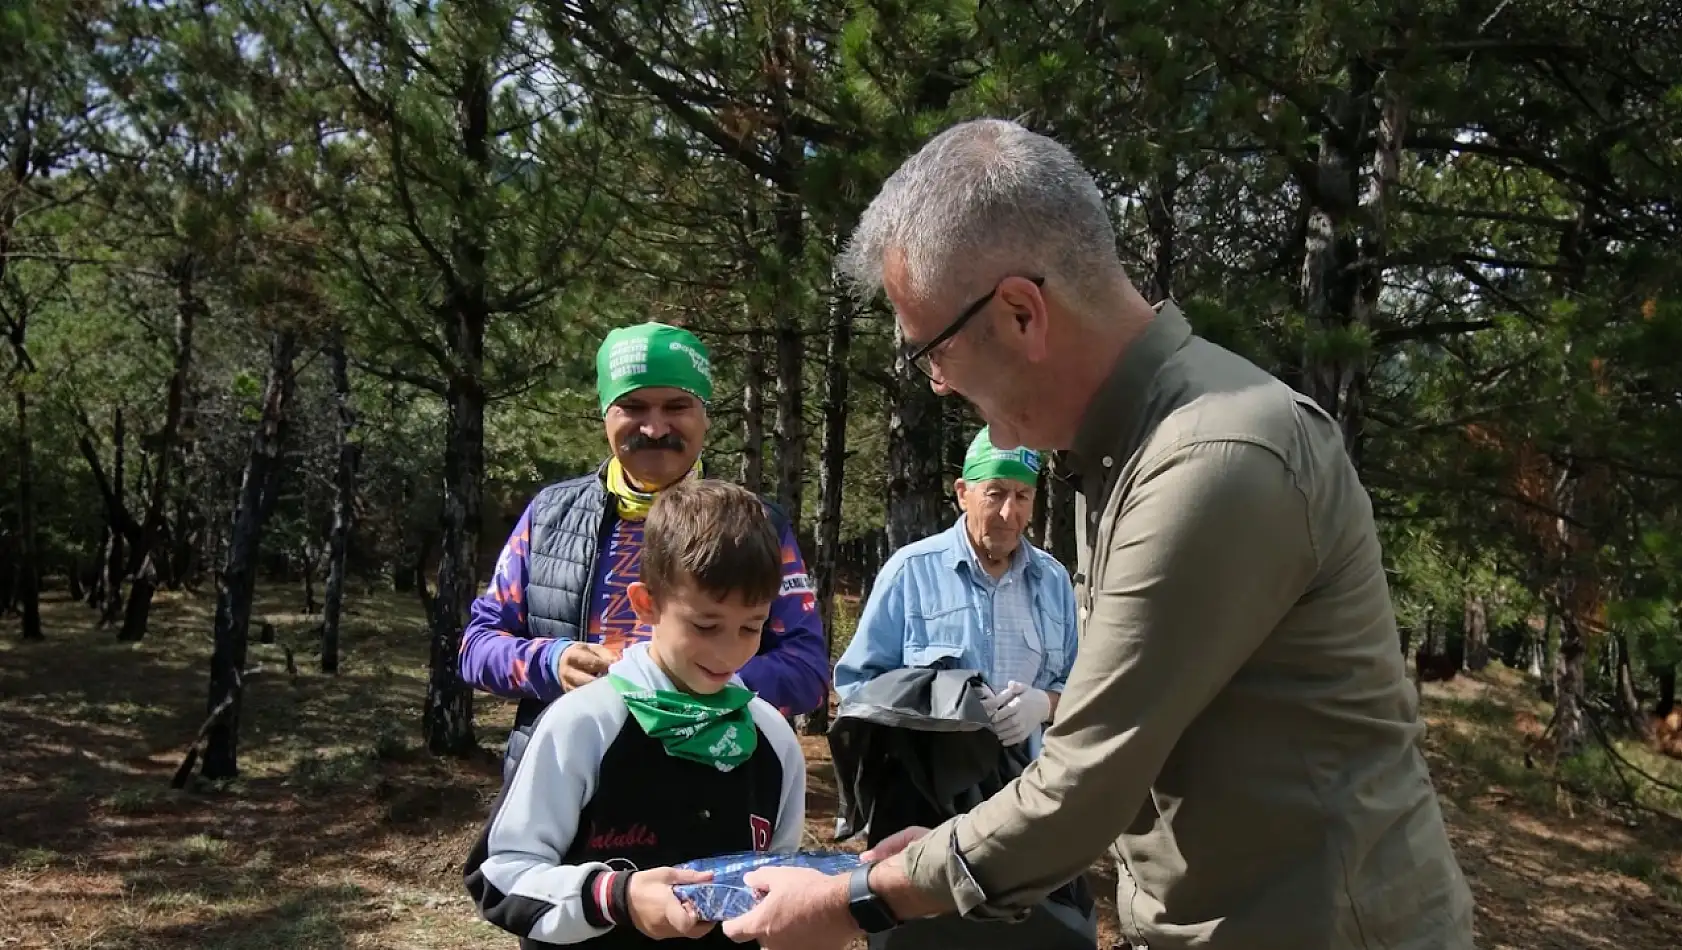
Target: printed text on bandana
701	363
628	358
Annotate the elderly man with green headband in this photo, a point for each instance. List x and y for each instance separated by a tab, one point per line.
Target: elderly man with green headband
978	597
557	613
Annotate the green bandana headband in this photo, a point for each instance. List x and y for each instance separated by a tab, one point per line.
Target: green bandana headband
716	730
984	463
652	354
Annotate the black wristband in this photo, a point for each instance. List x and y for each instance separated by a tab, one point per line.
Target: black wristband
619	898
870	912
594	912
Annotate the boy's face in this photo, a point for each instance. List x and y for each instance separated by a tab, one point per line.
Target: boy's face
699	640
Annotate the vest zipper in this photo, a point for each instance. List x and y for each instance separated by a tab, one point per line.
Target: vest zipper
589	603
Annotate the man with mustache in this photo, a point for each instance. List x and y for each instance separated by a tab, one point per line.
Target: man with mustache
557	613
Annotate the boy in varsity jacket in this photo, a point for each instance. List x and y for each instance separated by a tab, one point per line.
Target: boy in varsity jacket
666	759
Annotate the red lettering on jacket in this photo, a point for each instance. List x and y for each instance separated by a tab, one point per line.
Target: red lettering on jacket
615	839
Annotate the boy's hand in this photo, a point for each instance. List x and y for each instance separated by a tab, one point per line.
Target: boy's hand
656	911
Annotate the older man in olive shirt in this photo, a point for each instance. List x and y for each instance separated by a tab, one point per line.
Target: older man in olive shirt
1238	722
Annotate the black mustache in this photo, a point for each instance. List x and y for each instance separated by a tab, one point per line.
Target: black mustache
669	442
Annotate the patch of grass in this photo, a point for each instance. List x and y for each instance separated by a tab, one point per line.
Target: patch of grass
1498	767
846	624
1659	766
1477	710
191	851
392	744
35	859
1646	867
136	799
177	901
1591	774
1480	733
316	773
311	921
217	885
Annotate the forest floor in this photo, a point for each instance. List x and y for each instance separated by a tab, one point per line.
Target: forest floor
342	833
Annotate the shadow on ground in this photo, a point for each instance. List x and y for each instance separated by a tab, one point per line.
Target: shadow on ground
341	833
338	833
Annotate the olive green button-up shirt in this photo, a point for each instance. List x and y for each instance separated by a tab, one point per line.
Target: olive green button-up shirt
1238	721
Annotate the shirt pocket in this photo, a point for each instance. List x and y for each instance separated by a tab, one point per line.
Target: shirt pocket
1053	635
942	638
934	656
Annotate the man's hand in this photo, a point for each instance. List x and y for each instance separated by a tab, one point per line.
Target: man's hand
581	663
1018	711
655	909
799	909
893	844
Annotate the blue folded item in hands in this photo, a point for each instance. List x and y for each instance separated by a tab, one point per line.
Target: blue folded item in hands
726	896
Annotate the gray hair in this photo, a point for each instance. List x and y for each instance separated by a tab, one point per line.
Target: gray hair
981	201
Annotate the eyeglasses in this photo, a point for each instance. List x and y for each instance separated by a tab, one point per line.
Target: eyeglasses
923	356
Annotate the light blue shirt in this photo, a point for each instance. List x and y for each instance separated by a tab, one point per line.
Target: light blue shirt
933	606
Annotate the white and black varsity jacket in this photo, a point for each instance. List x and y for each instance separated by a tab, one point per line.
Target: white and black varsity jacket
594	797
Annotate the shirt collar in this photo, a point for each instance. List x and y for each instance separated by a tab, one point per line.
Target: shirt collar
961	553
1116	407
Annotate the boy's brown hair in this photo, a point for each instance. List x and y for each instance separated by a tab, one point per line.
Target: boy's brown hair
716	535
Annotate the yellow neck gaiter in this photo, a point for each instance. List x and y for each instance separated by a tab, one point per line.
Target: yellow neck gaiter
632	504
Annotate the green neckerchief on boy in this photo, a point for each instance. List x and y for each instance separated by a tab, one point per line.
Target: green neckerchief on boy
716	730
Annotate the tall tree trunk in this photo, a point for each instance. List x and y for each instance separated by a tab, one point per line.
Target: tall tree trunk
184	534
1570	727
753	413
957	429
1475	632
1629	705
448	724
830	477
1039	523
8	573
188	308
785	45
237	582
1665	676
29	555
1160	206
21	165
1342	275
1431	644
1538	658
1577	494
791	423
115	558
914	456
447	721
1060	512
344	502
307	565
1547	650
791	384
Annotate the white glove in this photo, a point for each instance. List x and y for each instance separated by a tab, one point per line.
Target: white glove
1017	712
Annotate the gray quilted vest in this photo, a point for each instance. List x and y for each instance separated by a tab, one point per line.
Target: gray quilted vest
569	520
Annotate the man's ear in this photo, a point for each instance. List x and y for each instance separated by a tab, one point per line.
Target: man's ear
643	603
960	489
1027	301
